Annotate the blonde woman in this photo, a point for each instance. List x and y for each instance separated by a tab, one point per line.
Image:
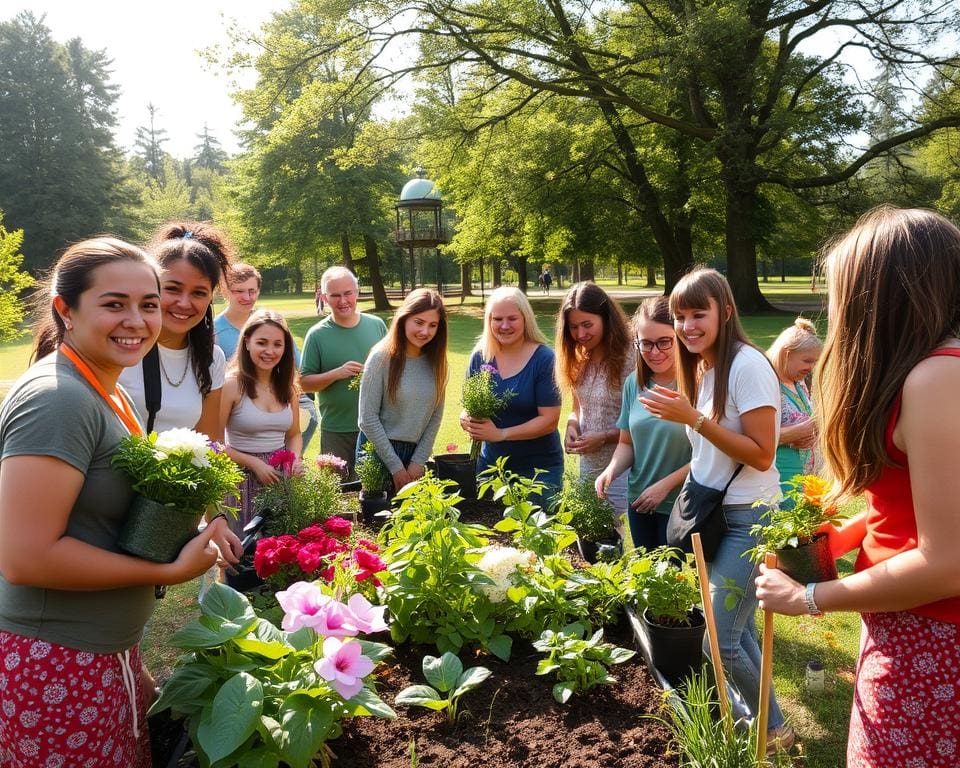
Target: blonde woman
526	429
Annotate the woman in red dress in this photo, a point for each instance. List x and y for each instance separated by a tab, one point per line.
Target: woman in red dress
888	389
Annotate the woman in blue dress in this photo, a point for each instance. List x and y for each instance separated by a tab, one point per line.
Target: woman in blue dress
526	428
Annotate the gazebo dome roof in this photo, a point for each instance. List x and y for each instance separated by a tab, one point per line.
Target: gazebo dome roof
419	189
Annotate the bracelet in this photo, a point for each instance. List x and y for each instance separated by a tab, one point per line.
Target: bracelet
503	434
698	424
812	608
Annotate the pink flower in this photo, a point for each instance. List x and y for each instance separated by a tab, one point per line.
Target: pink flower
337	526
282	460
304	605
368	545
329	461
368	561
367	617
451	447
344	665
311	556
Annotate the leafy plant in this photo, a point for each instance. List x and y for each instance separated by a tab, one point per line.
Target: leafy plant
590	516
254	695
580	662
447	676
531	527
296	502
796	522
480	399
668	586
370	470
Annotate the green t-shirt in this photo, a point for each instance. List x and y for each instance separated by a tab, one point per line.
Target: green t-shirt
328	346
52	411
659	446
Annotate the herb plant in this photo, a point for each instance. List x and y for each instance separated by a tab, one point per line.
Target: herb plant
370	470
668	586
447	676
480	400
580	662
295	502
590	516
797	521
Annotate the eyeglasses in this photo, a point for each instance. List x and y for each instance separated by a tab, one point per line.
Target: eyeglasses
664	345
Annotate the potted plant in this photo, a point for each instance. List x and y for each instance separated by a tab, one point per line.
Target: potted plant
373	477
460	468
667	601
794	531
592	518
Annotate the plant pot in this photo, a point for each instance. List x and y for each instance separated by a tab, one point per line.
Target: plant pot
676	651
372	502
460	468
155	532
809	562
592	551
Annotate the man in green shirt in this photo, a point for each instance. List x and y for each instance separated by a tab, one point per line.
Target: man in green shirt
334	351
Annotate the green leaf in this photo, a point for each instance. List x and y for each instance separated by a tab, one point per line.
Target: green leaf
260	757
442	673
302	639
469	680
232	718
305	725
421	696
267	632
507	525
195	635
620	655
500	646
366	702
223	602
185	687
272	651
374	651
545	666
563	691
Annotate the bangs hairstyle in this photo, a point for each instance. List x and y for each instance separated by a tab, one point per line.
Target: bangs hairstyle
894	283
694	291
655	309
571	357
395	342
283	380
70	278
487	345
206	249
799	337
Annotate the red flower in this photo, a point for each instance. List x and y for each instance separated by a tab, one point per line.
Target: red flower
286	549
282	460
368	545
265	559
313	533
338	527
327	574
311	556
368	562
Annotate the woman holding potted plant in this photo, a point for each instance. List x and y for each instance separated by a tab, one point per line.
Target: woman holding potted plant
402	387
526	428
887	389
793	354
656	451
729	400
62	506
594	356
258	409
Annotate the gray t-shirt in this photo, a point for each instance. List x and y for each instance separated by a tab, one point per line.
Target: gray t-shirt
52	411
413	418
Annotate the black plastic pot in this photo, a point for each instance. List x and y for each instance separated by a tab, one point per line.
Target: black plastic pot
676	651
460	468
809	562
592	551
372	502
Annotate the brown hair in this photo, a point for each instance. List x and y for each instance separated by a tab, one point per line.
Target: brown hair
655	309
571	358
240	273
71	277
395	342
694	291
894	284
283	380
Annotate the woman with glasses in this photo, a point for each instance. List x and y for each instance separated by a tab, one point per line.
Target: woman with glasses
657	452
594	356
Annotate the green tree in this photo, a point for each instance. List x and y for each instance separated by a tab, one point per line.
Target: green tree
12	282
208	154
149	143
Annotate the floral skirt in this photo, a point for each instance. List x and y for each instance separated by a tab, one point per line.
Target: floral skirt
248	492
63	708
906	706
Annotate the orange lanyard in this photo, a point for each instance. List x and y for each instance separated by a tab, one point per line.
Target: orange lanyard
122	408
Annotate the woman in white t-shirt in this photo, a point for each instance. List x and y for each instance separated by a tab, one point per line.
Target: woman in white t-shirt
193	258
735	422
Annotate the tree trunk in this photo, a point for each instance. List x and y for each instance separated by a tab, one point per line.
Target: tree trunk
522	273
380	301
619	271
345	251
741	206
587	270
497	279
466	279
651	276
297	278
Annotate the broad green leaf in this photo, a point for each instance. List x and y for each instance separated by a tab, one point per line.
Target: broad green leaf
267	632
196	635
507	525
272	651
259	758
185	688
500	646
545	667
366	702
306	724
421	696
233	716
470	680
562	692
442	672
223	602
620	655
302	639
375	651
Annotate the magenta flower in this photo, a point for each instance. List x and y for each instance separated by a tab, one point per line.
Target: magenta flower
304	605
367	617
344	666
282	460
337	526
335	620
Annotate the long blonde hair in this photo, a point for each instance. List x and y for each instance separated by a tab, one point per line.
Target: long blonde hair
894	282
487	345
801	336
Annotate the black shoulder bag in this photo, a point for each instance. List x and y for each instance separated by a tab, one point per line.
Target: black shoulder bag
152	398
698	510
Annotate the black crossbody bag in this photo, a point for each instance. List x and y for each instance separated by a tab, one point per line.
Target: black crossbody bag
698	509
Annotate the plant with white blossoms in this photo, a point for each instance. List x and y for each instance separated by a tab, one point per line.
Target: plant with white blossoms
178	468
501	564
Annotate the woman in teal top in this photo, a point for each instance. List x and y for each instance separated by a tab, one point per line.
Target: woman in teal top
793	354
656	451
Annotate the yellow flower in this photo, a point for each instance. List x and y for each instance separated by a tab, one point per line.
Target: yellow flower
814	489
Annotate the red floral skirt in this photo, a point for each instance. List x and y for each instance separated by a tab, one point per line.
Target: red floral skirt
63	708
906	706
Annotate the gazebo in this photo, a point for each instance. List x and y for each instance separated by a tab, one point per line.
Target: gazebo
419	222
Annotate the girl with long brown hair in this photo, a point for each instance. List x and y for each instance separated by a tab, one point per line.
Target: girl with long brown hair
887	390
402	387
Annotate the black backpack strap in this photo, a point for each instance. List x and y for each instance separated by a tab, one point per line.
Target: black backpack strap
151	384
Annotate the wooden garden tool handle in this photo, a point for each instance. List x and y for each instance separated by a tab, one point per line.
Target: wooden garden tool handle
704	581
766	674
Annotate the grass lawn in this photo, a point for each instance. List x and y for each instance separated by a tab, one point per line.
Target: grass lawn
821	719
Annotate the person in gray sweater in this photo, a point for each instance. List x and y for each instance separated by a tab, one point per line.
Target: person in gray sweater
402	388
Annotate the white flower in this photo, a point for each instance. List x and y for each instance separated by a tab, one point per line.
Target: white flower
182	440
501	564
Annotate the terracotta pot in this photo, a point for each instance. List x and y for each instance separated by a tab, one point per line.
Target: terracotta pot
676	651
460	468
809	562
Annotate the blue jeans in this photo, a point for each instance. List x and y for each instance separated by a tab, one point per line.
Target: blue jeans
737	627
307	404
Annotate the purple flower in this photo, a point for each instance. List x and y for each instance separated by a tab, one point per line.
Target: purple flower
215	446
487	368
